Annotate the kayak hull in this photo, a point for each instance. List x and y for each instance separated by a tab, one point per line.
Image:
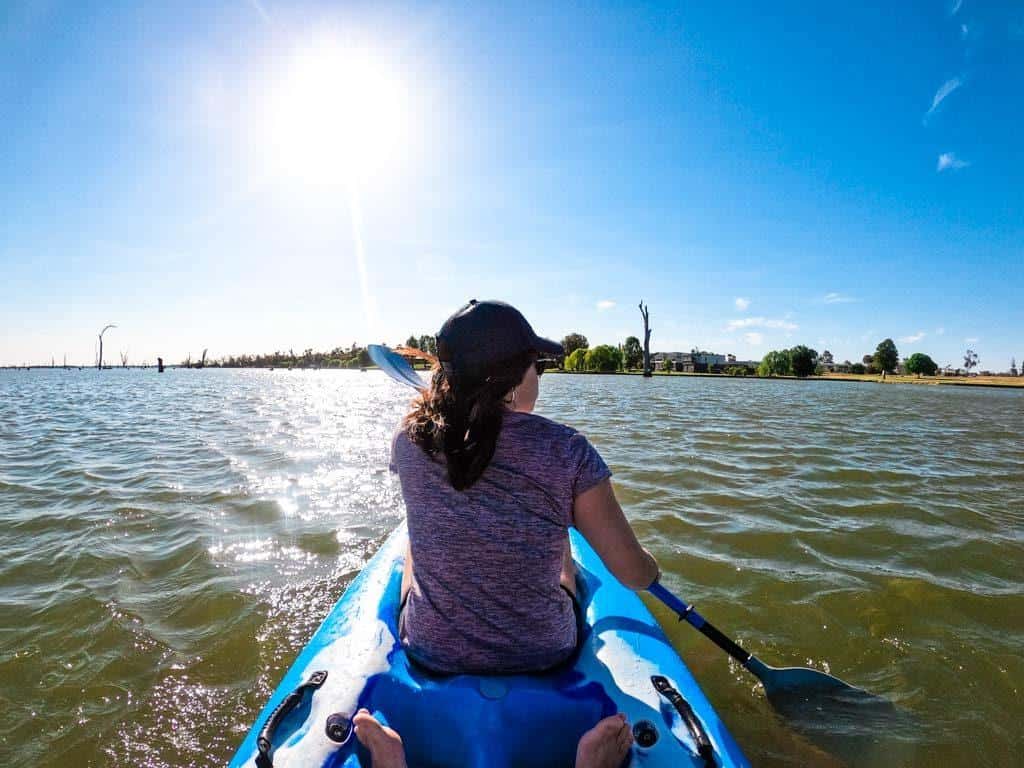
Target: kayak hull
501	721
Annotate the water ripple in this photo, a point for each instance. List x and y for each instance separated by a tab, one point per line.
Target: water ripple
170	542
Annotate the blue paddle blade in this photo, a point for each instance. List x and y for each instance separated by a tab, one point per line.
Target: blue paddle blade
395	366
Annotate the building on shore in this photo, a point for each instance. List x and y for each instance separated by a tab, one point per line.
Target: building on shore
697	361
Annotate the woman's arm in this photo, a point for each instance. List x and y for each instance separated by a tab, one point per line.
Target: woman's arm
601	521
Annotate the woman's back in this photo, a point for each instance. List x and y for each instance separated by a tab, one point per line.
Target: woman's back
485	596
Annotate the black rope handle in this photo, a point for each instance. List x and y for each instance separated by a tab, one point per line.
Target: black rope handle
264	742
682	706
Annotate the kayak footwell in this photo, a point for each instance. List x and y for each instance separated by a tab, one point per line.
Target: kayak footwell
493	721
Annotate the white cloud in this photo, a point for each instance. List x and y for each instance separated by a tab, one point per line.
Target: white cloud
944	90
837	298
913	338
605	304
742	304
949	160
761	322
753	338
971	340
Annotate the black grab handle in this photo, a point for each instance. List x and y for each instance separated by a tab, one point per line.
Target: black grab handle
682	706
264	741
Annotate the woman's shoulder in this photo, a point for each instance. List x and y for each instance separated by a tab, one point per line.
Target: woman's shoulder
541	430
404	450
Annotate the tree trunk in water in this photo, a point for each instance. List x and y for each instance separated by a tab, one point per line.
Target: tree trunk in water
647	340
99	363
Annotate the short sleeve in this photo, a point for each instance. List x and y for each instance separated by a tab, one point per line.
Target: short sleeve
587	466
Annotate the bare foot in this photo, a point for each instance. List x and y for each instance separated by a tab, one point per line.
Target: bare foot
606	744
384	743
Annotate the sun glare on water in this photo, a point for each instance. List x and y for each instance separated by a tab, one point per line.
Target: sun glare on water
336	114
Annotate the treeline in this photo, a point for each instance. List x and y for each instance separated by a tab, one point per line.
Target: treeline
339	357
803	361
603	358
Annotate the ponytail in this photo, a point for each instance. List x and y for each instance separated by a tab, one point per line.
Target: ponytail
461	416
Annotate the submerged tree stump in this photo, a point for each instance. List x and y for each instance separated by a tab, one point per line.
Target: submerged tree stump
647	340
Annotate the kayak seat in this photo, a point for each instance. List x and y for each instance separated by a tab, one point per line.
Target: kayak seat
497	721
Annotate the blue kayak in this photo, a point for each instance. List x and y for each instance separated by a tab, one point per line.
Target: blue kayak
624	664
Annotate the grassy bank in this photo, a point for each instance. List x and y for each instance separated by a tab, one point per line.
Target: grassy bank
955	381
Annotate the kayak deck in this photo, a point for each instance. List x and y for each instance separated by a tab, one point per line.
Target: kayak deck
494	721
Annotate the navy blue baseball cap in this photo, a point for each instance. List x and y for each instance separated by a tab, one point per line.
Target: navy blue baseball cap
484	334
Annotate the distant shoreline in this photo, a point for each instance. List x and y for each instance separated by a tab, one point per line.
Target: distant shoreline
995	382
1004	382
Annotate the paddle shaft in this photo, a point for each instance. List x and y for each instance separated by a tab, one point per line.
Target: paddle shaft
688	614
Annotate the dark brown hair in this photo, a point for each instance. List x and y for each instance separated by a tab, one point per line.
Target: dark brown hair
461	416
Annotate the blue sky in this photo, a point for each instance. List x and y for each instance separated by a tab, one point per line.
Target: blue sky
760	176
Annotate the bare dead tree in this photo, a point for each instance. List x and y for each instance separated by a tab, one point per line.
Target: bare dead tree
99	362
202	363
647	339
124	359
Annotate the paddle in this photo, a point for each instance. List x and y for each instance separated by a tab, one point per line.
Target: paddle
395	366
794	691
786	687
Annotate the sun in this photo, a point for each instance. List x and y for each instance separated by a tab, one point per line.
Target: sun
336	114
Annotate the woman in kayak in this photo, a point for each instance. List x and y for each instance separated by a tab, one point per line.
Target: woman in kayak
490	491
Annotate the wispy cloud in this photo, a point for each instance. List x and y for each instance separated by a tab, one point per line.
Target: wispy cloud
949	161
753	338
971	340
940	95
761	322
742	304
940	331
837	298
258	7
605	304
913	338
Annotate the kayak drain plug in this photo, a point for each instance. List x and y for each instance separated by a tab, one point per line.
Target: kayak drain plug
339	728
645	733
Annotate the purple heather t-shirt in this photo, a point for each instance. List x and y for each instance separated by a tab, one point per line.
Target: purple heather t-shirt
485	596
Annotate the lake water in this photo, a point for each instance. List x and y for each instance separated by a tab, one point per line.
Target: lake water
169	542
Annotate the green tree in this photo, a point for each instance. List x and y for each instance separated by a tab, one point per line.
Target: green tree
428	344
858	368
604	358
776	363
802	360
632	353
886	357
921	364
576	361
413	342
574	341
